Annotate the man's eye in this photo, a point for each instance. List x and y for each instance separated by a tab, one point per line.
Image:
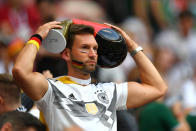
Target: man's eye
95	49
85	47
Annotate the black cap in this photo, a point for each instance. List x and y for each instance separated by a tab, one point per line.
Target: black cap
112	48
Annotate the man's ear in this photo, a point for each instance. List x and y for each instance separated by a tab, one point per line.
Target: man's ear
1	101
66	54
2	105
6	127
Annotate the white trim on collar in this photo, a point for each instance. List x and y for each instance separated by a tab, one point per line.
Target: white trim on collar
80	81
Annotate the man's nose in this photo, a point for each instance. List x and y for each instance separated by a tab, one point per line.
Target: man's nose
92	53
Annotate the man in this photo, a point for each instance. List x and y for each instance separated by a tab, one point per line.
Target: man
20	121
10	98
71	99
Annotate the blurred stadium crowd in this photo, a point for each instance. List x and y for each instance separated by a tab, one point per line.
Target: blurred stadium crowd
164	28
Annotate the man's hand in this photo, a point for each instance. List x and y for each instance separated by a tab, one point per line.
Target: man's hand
130	43
44	29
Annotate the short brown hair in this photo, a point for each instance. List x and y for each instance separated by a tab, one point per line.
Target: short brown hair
21	121
76	29
8	89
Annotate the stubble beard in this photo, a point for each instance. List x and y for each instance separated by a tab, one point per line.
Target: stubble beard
86	69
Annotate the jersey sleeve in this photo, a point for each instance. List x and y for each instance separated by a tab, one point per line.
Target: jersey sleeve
122	93
46	99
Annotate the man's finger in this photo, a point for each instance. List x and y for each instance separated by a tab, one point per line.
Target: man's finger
52	23
107	24
56	27
112	26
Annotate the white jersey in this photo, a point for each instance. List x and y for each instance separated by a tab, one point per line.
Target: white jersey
92	106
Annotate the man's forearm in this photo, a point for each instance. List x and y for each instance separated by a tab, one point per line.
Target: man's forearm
148	73
33	84
25	59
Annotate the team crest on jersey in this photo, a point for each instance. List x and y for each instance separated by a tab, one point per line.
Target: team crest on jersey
91	108
103	97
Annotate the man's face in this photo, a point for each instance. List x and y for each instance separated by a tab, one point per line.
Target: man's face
84	50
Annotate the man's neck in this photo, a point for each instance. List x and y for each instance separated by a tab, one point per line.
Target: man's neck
11	107
15	106
79	75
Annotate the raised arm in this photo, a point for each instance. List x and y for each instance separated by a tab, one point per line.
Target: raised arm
32	83
152	85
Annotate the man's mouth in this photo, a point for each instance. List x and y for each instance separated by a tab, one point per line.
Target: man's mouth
91	62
